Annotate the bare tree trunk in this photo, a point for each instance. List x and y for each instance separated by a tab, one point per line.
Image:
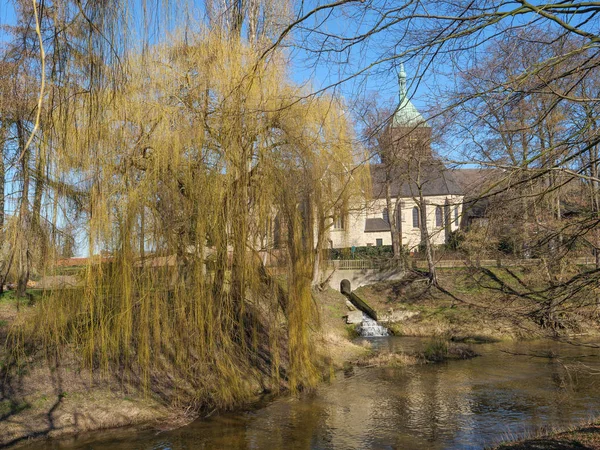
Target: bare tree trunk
398	219
594	186
316	272
447	221
426	241
2	178
318	250
396	247
2	181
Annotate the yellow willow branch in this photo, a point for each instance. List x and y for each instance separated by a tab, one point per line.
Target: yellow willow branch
36	126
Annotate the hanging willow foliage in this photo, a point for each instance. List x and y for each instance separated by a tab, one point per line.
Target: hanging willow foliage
204	156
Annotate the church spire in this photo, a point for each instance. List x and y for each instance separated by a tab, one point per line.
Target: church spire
402	83
406	115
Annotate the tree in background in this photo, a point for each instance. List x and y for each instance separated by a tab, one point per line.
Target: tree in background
528	94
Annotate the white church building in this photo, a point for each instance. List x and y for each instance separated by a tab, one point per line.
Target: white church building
414	181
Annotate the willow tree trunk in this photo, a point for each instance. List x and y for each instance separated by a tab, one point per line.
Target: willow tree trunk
22	241
239	226
38	191
300	309
36	232
142	236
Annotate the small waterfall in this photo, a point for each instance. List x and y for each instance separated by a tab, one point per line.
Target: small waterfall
370	328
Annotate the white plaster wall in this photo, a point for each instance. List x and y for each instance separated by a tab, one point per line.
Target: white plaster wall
354	233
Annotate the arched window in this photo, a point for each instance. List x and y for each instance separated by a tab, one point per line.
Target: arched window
386	215
416	220
339	219
456	215
277	232
439	217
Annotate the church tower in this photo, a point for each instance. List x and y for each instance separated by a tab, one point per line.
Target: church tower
408	135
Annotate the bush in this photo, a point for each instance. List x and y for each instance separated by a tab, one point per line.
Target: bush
455	240
371	252
506	246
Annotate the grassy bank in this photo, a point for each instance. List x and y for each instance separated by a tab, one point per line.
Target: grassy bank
334	340
473	306
436	351
583	437
48	397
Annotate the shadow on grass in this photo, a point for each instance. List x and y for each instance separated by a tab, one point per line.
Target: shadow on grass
11	387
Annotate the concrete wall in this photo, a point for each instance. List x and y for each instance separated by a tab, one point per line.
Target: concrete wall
362	277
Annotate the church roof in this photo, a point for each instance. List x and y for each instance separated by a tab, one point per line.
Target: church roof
376	224
406	115
432	176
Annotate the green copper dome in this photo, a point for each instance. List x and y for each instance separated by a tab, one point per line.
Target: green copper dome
406	115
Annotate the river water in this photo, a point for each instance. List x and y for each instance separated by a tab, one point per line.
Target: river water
454	405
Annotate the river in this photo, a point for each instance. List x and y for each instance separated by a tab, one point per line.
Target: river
453	405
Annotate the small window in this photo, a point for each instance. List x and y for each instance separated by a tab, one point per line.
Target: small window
386	215
439	217
379	242
415	214
338	222
456	215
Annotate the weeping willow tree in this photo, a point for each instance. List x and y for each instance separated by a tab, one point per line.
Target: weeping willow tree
185	166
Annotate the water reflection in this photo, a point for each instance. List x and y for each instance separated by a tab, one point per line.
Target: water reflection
460	404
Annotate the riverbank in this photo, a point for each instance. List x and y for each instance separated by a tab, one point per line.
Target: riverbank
49	398
43	399
473	403
584	437
475	306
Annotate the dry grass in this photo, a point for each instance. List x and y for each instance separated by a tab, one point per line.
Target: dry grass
586	436
437	351
333	339
43	397
43	400
389	359
469	307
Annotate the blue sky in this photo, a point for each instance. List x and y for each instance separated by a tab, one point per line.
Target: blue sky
304	70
